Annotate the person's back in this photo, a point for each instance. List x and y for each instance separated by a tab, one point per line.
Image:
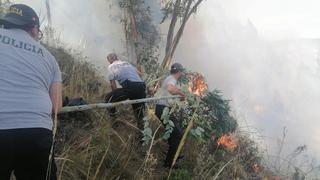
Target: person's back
30	91
163	91
27	70
133	87
122	71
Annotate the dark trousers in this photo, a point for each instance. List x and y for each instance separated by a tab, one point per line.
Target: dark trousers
131	90
26	153
175	137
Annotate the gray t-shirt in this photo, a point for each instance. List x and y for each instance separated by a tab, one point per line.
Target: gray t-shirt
122	71
27	71
164	92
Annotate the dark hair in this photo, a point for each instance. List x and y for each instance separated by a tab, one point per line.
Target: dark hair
7	25
112	56
174	71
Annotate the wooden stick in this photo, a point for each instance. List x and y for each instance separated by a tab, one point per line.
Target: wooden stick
108	105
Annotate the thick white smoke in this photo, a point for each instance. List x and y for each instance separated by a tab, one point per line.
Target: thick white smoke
272	84
92	27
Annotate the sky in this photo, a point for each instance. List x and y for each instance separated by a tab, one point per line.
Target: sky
262	54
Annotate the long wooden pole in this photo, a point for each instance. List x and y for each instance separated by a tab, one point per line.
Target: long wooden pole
108	105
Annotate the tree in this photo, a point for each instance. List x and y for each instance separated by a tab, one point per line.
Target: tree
141	33
178	9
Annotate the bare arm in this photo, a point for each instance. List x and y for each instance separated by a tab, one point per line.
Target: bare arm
139	70
175	91
56	96
139	73
113	84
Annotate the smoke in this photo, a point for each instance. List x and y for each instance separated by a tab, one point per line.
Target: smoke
272	83
92	27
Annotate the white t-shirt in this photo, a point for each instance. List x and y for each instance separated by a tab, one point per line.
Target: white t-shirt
122	71
170	80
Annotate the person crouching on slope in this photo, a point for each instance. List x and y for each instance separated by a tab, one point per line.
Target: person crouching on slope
169	87
133	87
30	91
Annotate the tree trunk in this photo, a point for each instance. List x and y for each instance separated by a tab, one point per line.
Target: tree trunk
133	36
172	26
169	54
172	45
181	30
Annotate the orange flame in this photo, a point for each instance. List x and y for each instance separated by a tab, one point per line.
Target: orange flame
228	142
197	85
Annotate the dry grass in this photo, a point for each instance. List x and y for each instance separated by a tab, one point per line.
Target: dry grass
93	146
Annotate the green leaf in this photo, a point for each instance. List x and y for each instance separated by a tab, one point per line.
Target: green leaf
147	132
166	136
198	132
146	124
171	123
201	129
145	118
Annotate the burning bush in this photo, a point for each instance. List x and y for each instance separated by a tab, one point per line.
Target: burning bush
210	111
228	141
197	84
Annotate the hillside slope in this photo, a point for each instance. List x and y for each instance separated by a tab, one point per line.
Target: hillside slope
92	145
